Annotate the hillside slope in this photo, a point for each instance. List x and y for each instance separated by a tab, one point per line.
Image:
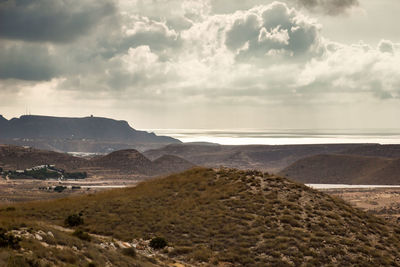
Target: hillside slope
168	164
222	217
375	150
88	134
344	169
124	161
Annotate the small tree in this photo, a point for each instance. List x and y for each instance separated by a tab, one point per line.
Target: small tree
8	240
73	220
158	243
59	188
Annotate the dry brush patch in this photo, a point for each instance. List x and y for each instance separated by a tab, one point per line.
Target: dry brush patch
243	217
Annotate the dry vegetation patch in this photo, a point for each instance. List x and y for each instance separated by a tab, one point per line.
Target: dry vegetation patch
225	216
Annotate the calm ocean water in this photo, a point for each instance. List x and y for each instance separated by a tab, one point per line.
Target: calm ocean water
281	137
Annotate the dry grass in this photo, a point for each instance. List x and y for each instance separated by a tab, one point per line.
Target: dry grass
61	249
244	217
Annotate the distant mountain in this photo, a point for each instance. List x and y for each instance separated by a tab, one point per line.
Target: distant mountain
270	158
88	134
375	150
344	169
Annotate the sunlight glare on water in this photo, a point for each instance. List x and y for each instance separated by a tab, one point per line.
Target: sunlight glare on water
283	137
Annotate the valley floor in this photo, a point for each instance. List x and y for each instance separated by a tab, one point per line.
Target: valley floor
384	202
30	189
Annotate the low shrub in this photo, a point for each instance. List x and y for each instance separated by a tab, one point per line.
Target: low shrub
59	188
73	220
201	254
21	261
81	235
158	243
178	251
131	252
8	240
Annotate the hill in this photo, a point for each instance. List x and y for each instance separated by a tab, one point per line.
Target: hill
122	162
88	134
272	158
125	161
345	169
168	164
3	121
19	158
375	150
212	217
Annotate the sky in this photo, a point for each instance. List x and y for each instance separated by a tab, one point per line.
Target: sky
211	64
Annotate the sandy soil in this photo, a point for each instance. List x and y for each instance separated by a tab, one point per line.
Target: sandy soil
380	201
26	190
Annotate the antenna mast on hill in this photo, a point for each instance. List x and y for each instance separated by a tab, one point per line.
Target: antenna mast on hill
27	111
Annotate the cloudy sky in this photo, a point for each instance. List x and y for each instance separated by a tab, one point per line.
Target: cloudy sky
204	63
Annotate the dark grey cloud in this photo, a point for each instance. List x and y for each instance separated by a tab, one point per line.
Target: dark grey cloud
242	31
27	62
330	7
51	20
86	59
386	46
179	23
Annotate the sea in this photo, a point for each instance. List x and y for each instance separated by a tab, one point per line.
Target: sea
283	136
